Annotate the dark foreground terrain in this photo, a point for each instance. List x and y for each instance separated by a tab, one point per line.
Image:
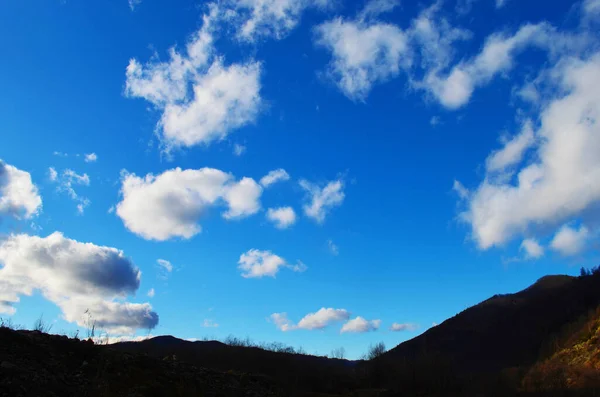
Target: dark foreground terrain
543	341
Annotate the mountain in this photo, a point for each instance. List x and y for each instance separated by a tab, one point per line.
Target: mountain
497	339
34	364
541	341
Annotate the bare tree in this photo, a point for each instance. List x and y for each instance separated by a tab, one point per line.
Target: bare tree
339	353
375	351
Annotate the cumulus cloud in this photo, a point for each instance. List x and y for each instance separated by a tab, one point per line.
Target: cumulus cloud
282	217
19	197
322	200
532	248
279	175
367	51
312	321
560	180
569	241
151	293
91	158
400	327
243	199
67	181
258	264
360	325
201	99
77	277
259	19
282	322
364	53
171	204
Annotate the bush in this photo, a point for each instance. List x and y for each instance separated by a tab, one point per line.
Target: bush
41	326
339	353
375	351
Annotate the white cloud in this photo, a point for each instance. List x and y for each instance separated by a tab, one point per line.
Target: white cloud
151	293
243	199
533	249
134	3
591	7
165	265
433	37
201	99
91	158
19	197
258	19
66	182
322	200
282	322
323	318
334	249
208	323
239	149
364	53
454	89
374	8
299	267
569	241
122	338
171	204
258	264
225	98
398	327
283	217
360	325
76	277
312	321
279	175
52	174
461	190
561	178
513	151
367	51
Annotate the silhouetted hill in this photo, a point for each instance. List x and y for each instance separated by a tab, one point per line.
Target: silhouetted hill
37	364
502	334
298	371
506	330
541	341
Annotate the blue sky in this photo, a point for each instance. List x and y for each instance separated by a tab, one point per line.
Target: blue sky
425	156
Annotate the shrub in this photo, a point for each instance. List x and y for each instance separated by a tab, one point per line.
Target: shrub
375	351
41	326
339	353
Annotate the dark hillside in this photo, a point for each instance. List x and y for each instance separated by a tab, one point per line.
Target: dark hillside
298	371
542	341
37	364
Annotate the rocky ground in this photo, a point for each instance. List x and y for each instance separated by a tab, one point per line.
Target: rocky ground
37	364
